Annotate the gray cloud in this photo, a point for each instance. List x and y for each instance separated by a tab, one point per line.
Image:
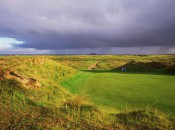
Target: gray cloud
67	24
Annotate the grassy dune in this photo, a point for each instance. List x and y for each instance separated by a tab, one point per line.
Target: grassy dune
72	97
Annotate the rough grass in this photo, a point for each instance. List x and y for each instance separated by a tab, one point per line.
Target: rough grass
21	109
18	111
148	119
47	69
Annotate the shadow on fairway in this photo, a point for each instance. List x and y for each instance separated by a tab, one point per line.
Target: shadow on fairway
128	72
135	67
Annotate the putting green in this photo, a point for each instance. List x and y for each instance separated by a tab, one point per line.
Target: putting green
129	89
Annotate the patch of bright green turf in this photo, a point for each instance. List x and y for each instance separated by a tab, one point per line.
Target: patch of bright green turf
129	89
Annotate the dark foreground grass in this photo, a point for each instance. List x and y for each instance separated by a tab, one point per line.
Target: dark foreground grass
28	109
21	109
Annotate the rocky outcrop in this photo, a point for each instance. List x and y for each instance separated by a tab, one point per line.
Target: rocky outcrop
28	83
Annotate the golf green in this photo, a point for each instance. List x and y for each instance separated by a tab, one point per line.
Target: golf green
129	89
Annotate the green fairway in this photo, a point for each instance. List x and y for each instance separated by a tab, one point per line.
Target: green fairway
129	89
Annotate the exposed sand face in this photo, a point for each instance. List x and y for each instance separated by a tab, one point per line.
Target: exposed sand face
93	66
28	83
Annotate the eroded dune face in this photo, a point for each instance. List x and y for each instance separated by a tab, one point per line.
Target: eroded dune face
1	74
28	83
93	66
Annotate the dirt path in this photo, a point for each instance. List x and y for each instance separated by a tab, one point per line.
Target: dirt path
93	66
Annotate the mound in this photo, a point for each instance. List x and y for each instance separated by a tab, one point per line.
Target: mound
152	66
44	70
32	72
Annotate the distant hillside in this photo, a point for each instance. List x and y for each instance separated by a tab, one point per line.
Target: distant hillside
149	66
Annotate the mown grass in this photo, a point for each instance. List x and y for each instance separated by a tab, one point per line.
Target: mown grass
114	89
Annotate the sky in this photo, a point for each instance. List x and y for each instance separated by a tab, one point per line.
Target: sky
87	26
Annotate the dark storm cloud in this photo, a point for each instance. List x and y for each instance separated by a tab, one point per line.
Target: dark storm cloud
67	24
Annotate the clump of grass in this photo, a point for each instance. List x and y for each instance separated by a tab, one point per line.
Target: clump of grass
86	115
146	119
79	102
